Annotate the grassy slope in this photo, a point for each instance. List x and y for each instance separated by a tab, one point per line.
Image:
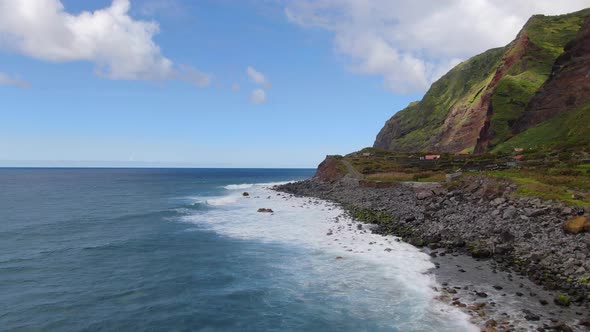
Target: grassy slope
462	85
547	35
571	128
553	183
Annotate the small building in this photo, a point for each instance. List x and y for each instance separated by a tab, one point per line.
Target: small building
432	156
367	154
518	149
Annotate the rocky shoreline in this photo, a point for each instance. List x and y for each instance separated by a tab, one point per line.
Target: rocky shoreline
521	242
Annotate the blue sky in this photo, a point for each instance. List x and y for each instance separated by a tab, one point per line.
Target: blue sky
321	95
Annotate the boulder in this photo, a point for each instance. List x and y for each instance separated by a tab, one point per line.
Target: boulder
245	194
577	225
424	194
453	176
498	201
509	213
264	210
530	316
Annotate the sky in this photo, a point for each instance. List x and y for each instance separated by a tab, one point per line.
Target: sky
249	83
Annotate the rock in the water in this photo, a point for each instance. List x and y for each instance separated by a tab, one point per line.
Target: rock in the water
265	210
531	316
561	327
481	294
246	194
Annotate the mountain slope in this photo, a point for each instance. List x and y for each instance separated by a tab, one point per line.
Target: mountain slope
485	101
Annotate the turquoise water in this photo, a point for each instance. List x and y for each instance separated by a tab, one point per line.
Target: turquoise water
182	250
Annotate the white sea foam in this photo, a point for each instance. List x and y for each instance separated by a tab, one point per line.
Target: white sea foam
379	268
238	186
223	200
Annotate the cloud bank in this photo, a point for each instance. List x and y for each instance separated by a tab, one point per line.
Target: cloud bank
410	44
121	47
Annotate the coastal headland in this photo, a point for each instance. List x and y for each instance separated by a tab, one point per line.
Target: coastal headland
497	233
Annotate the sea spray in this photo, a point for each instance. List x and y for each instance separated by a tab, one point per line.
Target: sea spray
378	272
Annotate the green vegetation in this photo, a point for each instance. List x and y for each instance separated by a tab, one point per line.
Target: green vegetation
463	85
547	36
562	300
571	128
551	180
549	31
560	173
425	176
524	65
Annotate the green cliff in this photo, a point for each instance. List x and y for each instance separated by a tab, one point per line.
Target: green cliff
533	92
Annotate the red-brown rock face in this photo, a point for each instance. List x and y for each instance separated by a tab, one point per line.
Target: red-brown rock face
568	86
331	169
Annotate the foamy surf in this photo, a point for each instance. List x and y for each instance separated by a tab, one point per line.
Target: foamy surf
221	201
238	186
382	271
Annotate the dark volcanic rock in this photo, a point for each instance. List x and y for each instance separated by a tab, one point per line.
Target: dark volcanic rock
265	210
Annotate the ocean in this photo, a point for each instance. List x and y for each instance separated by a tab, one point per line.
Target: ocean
184	250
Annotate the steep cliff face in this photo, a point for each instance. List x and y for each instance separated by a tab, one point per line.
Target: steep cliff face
568	87
489	99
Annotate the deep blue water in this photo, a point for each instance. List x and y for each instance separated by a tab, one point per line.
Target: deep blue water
107	249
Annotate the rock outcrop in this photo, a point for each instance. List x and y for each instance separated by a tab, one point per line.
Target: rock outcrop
331	169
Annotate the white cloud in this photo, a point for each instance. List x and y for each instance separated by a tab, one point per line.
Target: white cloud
412	43
121	47
257	77
258	96
6	79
